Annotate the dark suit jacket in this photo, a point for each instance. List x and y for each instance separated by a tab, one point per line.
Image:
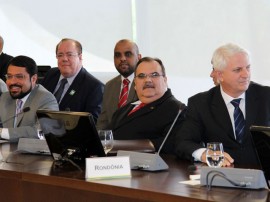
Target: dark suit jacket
207	120
150	122
88	92
111	99
4	60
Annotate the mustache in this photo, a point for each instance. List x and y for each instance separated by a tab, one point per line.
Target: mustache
148	85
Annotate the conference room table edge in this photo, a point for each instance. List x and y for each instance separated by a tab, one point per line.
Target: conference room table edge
38	181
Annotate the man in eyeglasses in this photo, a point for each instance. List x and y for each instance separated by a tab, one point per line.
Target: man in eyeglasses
25	97
151	116
74	87
126	56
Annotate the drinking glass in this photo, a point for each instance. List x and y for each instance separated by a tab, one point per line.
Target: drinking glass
214	154
106	138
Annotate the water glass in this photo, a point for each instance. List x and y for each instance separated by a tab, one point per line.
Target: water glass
106	138
214	154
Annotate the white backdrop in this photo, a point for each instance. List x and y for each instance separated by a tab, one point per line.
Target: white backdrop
182	33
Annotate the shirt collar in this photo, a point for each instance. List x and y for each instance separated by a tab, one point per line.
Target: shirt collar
227	99
69	79
130	77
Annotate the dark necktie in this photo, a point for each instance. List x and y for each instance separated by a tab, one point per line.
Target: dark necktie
239	121
124	94
59	92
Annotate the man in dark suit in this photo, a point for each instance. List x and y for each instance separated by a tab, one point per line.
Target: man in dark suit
153	114
81	91
126	56
4	59
212	117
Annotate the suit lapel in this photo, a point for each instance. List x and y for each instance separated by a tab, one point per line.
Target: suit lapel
27	104
132	93
251	107
220	113
75	86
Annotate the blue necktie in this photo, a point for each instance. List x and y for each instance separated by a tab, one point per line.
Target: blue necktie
239	121
59	92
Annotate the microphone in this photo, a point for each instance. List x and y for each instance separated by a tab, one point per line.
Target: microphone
26	109
169	131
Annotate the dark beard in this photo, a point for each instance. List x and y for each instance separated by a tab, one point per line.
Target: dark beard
22	94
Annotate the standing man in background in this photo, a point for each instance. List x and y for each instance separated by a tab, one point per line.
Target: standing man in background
120	90
4	59
74	88
19	105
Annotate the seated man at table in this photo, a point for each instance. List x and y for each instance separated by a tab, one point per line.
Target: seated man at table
25	96
226	112
73	86
153	114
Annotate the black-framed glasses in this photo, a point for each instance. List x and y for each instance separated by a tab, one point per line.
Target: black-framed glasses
68	55
153	75
16	76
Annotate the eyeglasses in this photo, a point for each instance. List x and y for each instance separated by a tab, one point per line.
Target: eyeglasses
16	76
68	55
153	75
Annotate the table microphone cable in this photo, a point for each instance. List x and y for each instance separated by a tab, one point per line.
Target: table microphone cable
222	175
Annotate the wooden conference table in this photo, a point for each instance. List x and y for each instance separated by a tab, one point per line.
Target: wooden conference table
30	178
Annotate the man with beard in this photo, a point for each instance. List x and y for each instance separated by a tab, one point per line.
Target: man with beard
81	91
25	97
126	56
152	115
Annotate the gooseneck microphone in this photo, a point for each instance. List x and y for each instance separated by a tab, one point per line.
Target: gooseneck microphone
26	109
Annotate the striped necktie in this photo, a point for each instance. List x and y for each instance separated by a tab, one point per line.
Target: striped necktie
124	94
59	92
239	121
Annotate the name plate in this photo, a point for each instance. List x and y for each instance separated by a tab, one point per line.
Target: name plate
107	167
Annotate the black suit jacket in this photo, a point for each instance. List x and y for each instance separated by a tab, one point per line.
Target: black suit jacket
88	92
4	60
207	120
150	122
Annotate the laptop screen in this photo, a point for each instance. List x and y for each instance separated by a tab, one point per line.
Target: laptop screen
261	140
70	135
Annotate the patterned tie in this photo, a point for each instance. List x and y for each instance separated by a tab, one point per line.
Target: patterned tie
239	121
19	104
124	94
136	108
59	92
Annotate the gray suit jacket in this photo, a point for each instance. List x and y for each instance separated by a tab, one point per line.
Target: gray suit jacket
110	101
39	98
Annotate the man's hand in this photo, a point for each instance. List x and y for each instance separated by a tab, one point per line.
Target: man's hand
228	160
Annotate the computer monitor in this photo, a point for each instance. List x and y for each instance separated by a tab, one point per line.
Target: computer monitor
70	135
261	140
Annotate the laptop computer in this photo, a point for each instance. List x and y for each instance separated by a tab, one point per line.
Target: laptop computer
70	135
261	141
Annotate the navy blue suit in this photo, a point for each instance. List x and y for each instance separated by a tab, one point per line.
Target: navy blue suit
88	92
208	120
